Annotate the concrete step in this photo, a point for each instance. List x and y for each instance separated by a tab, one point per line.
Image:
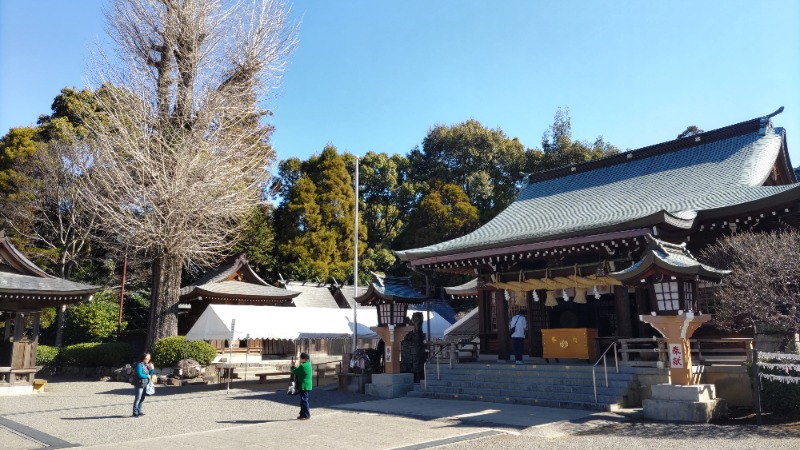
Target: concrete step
615	389
602	396
552	380
589	406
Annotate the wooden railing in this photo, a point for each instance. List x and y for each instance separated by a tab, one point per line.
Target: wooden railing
651	351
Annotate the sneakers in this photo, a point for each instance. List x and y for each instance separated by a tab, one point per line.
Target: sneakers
302	418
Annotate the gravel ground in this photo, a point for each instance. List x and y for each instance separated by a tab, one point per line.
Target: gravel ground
92	412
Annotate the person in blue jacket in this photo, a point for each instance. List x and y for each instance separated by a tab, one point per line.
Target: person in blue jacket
302	379
143	374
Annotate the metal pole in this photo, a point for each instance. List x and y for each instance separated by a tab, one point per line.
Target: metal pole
246	355
230	356
756	381
122	292
355	266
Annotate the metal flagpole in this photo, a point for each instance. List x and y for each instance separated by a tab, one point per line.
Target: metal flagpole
355	267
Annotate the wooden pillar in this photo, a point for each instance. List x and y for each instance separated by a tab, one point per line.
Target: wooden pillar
623	309
19	326
643	309
503	336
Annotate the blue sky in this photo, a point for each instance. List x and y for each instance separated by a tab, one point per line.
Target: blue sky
376	75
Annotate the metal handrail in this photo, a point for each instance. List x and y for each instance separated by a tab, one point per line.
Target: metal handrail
425	366
605	367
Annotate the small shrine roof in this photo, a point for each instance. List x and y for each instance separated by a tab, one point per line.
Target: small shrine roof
235	279
23	284
390	289
665	257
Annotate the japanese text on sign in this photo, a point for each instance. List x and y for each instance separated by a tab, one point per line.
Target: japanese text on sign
676	356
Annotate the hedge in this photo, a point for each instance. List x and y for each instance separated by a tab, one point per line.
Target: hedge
93	354
168	351
45	355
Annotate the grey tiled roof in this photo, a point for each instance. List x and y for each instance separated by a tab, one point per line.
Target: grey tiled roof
216	281
672	186
312	295
16	283
244	289
347	293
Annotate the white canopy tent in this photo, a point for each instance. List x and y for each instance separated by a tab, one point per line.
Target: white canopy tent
276	322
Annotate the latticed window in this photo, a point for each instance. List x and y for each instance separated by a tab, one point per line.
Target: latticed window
667	296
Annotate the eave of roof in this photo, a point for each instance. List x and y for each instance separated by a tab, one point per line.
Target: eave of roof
238	289
16	284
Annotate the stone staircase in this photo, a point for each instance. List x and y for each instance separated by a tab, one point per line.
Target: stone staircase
551	385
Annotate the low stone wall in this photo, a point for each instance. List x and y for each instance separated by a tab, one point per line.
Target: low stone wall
732	383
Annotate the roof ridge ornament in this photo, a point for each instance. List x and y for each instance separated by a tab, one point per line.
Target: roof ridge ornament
765	123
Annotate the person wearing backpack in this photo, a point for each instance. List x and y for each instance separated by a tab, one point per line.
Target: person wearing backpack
143	374
302	378
517	328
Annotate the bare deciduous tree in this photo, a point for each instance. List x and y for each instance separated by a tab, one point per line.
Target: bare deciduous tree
183	152
764	285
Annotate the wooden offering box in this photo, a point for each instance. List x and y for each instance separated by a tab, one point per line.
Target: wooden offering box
569	343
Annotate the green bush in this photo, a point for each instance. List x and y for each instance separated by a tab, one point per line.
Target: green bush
168	351
45	355
93	320
92	354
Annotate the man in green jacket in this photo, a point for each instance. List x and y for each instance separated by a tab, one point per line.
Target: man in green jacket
302	379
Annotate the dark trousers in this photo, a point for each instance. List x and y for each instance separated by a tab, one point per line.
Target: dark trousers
305	410
518	344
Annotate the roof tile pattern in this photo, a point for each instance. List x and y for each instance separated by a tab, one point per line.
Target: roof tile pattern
680	183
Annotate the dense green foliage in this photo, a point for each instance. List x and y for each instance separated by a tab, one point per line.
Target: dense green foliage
94	354
94	320
168	351
45	355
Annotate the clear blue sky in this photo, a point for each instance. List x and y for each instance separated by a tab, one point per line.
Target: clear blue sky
376	75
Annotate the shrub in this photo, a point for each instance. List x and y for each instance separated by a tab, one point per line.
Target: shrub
94	320
92	354
168	351
45	355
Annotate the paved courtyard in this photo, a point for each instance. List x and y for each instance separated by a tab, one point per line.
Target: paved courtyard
97	415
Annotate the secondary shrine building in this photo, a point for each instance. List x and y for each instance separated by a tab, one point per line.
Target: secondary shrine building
552	250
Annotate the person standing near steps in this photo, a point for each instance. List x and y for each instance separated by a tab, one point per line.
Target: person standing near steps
302	379
518	335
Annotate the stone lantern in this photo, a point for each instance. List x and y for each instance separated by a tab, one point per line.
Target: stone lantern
391	297
672	274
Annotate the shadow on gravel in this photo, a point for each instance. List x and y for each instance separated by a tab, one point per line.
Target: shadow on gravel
250	422
661	430
116	416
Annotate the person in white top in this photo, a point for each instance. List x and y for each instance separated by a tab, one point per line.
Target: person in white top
519	326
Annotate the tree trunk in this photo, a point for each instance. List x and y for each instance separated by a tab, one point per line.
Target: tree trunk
164	299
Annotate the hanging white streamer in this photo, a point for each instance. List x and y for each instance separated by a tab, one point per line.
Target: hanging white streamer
779	378
782	367
779	356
